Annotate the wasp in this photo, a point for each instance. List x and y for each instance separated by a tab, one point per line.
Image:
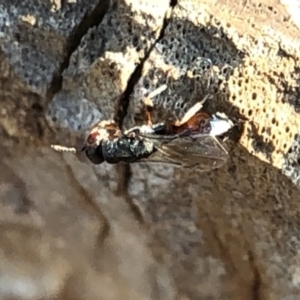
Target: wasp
188	142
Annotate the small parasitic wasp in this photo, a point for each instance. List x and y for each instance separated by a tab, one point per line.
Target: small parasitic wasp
189	142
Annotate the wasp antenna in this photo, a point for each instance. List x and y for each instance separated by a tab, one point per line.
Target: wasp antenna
60	148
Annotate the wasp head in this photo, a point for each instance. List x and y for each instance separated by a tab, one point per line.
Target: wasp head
100	133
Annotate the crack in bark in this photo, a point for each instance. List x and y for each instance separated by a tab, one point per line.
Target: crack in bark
123	102
224	253
121	111
125	174
15	194
89	20
255	285
173	3
88	201
257	280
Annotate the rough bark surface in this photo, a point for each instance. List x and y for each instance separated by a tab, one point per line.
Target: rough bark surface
71	230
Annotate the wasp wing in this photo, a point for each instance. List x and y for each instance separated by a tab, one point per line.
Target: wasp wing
203	152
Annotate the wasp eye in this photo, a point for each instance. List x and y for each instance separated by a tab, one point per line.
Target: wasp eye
92	138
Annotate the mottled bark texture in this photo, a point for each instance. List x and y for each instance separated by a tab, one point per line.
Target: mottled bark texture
71	230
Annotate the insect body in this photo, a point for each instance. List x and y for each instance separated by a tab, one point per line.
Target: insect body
188	142
107	143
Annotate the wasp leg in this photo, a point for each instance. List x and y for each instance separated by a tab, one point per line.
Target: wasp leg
148	103
148	118
148	108
191	112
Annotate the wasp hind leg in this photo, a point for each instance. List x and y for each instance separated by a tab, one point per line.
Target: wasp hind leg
192	111
149	105
147	110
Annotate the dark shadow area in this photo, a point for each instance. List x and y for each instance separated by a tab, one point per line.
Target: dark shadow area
90	19
291	93
235	208
246	183
124	176
259	144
